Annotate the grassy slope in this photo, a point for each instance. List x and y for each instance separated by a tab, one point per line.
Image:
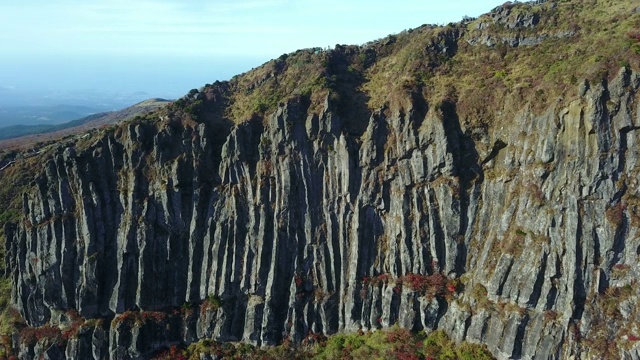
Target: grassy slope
393	343
589	39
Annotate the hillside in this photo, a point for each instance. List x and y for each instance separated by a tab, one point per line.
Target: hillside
478	180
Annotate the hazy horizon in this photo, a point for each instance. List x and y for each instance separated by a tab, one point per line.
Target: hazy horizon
164	48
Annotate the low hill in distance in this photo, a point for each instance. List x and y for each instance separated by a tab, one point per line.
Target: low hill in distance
24	136
49	114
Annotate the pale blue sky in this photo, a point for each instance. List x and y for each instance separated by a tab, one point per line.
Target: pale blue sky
170	46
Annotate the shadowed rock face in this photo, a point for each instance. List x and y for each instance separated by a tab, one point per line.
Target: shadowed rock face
282	219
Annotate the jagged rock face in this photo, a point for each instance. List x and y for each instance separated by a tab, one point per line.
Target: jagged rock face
502	16
284	218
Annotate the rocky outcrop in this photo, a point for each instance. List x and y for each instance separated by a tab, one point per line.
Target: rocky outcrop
279	227
506	26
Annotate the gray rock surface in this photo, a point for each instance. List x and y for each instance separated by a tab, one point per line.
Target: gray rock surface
514	28
283	219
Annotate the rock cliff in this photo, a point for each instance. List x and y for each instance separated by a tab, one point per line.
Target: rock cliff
326	213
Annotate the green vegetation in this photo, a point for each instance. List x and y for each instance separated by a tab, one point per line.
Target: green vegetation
602	339
212	302
259	91
480	293
394	343
577	40
9	317
570	42
15	181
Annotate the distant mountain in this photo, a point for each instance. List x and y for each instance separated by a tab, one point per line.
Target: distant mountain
45	114
21	106
21	134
